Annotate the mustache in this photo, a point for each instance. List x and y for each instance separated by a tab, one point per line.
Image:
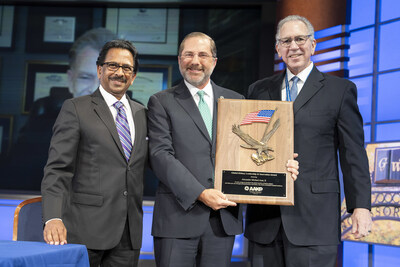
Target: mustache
118	78
195	68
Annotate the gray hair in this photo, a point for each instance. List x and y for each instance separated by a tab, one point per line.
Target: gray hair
308	24
213	47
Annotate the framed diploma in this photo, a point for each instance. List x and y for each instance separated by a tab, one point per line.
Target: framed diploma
254	143
6	26
6	126
150	79
153	31
54	29
40	77
59	29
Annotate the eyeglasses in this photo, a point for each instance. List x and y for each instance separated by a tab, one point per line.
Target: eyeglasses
114	66
202	56
299	40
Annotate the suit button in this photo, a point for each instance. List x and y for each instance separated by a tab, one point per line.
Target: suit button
129	168
210	180
125	193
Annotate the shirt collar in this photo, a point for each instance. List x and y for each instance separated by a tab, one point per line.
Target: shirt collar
110	99
207	89
302	75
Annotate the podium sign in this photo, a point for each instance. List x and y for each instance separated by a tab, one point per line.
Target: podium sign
254	143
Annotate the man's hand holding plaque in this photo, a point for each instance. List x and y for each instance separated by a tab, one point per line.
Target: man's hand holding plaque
293	167
215	199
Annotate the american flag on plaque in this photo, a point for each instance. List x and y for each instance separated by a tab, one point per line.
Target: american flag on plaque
258	116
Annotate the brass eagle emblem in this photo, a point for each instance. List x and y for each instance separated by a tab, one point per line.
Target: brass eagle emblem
263	151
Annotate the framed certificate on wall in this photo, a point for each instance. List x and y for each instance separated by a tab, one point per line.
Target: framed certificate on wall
40	78
150	79
54	29
153	31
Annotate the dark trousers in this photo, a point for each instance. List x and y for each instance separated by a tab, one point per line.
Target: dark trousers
212	248
121	255
281	253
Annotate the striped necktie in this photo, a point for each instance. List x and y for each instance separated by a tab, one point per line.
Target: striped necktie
123	129
205	112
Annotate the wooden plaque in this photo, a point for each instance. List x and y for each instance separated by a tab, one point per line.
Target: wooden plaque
254	143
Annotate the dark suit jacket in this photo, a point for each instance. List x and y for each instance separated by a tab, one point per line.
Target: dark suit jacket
182	155
326	120
87	181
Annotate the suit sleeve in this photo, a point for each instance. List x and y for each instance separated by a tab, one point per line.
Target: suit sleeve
250	91
353	158
60	167
169	170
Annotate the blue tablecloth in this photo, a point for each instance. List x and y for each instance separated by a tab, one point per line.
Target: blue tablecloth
22	253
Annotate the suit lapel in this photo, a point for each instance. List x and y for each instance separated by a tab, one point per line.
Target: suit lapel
102	110
138	122
217	94
275	92
185	99
310	88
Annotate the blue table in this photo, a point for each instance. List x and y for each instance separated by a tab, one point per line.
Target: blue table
23	253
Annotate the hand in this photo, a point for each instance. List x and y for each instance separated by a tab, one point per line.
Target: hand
362	222
215	199
55	233
293	166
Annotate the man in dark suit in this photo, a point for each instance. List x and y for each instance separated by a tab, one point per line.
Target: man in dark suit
326	121
192	222
93	180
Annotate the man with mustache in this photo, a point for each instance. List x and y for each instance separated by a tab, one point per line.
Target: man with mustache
93	181
193	224
327	123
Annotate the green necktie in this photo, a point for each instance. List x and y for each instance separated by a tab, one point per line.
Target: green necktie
205	112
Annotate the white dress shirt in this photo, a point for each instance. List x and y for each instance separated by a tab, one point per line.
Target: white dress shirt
302	79
208	95
110	100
